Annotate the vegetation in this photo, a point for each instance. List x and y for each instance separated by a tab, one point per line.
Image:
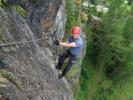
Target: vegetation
2	3
20	10
7	77
17	6
73	14
107	69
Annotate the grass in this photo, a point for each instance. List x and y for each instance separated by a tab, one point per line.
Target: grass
20	10
7	77
87	71
94	85
2	3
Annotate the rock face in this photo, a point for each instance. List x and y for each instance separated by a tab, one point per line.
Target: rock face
33	64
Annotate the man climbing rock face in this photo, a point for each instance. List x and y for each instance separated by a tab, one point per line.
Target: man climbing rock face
74	43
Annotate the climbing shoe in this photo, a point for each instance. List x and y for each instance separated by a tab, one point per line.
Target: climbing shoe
60	76
57	67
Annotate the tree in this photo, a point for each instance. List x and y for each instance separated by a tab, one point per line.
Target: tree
110	45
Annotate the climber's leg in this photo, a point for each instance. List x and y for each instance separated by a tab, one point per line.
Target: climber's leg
61	60
72	61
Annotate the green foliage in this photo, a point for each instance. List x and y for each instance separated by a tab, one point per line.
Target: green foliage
110	50
7	75
20	10
3	3
3	81
73	13
0	2
81	92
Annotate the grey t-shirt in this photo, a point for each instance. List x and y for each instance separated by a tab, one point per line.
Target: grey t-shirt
79	44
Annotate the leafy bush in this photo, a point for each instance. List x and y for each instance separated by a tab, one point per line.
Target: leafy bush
73	14
20	10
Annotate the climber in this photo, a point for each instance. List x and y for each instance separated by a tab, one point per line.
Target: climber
74	44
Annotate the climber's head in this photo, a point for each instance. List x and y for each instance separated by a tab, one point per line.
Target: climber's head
76	32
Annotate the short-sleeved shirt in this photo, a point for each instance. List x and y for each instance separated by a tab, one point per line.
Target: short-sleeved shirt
79	44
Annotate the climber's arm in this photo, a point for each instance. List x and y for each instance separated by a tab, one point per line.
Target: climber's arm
66	44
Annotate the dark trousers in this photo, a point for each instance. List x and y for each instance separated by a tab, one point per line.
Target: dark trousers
72	60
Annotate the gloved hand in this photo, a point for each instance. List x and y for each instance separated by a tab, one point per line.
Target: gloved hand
56	42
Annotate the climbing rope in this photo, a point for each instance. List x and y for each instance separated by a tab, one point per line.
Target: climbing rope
22	42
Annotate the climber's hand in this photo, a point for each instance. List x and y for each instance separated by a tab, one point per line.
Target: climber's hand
56	42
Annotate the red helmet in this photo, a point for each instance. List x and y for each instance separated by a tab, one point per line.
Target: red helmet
76	30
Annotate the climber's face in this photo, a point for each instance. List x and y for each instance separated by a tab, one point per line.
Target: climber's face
76	36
